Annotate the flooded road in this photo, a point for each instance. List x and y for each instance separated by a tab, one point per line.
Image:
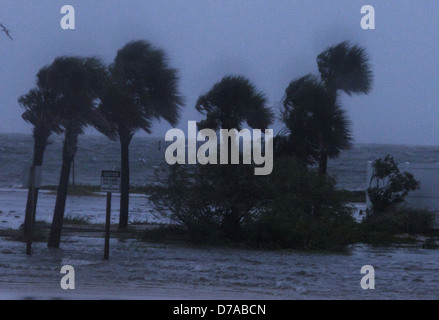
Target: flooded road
139	270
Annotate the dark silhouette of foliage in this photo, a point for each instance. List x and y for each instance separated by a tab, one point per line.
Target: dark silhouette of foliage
40	112
313	121
206	201
143	88
228	105
388	186
318	126
76	83
345	67
231	102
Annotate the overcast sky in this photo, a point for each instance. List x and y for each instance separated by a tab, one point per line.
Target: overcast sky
269	41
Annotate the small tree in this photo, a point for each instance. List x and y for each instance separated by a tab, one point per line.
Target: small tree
388	186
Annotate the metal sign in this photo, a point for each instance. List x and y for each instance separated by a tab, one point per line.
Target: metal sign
110	181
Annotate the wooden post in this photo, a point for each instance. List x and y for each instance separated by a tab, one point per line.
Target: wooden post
107	228
31	212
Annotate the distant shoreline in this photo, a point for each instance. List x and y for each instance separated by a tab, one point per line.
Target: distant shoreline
353	196
162	137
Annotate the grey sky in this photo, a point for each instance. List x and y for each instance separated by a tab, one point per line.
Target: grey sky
269	41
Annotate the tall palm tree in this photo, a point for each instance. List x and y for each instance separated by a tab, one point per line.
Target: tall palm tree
143	88
76	83
41	114
344	68
228	105
314	121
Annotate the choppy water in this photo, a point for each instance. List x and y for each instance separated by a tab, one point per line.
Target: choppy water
97	153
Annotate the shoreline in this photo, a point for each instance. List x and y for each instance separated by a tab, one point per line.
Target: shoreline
355	196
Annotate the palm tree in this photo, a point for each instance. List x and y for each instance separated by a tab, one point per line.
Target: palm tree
318	132
231	102
315	123
41	114
228	105
345	68
76	83
143	89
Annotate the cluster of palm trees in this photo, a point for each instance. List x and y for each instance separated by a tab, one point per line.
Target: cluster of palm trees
140	87
316	126
118	100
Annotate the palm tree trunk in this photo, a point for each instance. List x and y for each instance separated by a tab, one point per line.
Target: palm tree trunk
323	164
39	148
323	168
124	181
69	151
231	223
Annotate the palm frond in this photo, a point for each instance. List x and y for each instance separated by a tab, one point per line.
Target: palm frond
231	102
144	88
346	67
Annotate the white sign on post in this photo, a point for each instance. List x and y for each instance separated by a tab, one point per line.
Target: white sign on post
110	181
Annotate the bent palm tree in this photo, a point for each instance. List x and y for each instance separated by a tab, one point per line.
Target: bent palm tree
228	105
143	89
41	114
346	68
76	83
316	124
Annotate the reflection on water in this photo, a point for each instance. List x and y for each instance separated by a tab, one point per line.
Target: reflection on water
145	271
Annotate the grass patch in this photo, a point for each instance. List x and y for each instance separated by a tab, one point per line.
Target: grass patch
40	234
76	220
95	191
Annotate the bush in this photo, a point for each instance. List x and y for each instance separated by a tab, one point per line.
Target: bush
292	208
76	220
306	211
399	221
391	186
212	201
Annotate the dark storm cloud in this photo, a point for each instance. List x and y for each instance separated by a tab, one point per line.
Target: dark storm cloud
270	42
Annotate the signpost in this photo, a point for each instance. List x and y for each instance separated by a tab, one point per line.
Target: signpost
110	182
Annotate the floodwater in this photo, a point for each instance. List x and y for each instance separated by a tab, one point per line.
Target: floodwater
138	270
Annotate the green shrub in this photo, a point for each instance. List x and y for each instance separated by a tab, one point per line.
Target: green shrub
306	211
399	221
212	201
391	186
294	207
